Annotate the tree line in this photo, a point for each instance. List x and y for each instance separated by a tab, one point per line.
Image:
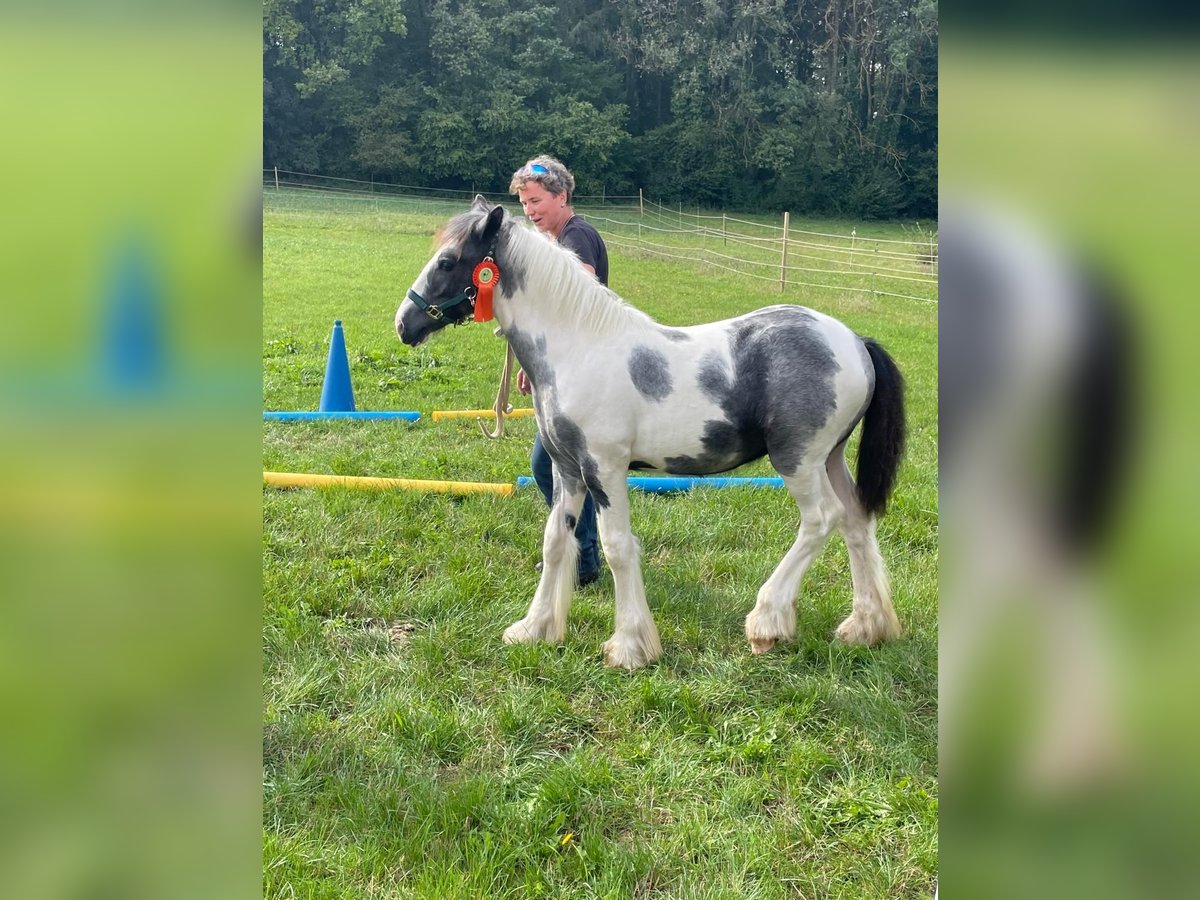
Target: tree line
818	106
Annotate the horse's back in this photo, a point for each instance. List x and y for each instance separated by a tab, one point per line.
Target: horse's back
784	380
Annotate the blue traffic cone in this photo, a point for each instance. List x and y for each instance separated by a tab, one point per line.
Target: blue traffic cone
134	331
337	394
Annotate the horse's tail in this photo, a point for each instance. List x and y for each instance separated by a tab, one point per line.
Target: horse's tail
1102	418
884	429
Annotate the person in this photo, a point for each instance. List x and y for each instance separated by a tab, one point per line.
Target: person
545	188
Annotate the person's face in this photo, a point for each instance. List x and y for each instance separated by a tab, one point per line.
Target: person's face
547	211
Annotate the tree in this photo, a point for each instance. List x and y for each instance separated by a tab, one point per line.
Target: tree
312	51
824	106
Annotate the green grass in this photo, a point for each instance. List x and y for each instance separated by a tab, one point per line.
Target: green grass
407	752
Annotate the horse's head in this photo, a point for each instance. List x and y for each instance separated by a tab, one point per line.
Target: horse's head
445	291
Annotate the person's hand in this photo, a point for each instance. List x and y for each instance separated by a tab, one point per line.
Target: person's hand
523	382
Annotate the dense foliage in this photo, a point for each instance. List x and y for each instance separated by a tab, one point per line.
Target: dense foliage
818	106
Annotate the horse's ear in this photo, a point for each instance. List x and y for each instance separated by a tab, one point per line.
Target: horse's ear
480	202
492	226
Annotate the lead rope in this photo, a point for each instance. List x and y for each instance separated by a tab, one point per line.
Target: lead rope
501	407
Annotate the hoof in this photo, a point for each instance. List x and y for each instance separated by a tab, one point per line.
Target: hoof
521	633
618	658
630	654
530	630
766	627
759	646
867	632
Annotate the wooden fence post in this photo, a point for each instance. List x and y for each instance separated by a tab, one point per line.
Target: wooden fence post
724	239
641	209
277	178
783	262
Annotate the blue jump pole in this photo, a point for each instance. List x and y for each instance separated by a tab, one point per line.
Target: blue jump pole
407	416
673	484
663	485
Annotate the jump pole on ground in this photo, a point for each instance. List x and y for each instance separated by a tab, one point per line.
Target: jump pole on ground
440	414
361	482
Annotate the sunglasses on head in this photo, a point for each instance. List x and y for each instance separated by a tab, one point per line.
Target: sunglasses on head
536	169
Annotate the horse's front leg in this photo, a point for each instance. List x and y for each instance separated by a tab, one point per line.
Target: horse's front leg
546	619
635	638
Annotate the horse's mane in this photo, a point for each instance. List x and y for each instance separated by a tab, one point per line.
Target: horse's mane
587	305
457	230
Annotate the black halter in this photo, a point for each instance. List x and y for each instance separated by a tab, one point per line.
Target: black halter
437	311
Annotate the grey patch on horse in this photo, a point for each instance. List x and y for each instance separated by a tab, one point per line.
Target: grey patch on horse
567	478
567	474
725	448
674	335
637	464
568	448
714	378
574	483
531	354
571	522
779	394
651	373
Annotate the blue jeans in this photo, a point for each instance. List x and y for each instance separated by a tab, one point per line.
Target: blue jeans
585	528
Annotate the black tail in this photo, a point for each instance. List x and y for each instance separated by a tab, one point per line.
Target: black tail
1101	416
884	428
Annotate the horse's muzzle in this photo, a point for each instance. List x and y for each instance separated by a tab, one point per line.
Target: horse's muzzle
411	328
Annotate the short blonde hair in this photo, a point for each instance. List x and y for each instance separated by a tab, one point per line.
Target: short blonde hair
546	171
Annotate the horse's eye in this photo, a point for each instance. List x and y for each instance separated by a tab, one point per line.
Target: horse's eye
445	264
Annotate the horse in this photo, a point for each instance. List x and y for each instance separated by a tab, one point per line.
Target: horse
614	391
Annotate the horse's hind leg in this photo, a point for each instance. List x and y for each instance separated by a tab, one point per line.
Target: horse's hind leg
872	618
635	640
774	615
546	619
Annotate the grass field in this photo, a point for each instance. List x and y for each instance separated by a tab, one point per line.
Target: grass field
407	752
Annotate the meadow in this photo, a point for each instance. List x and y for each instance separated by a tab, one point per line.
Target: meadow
408	753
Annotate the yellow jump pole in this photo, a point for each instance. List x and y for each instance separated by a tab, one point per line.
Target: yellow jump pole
439	414
295	479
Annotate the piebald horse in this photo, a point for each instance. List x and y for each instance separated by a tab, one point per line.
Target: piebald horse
613	390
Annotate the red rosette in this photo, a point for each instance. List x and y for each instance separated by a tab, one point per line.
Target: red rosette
485	276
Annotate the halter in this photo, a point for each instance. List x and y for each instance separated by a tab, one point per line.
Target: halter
437	311
483	279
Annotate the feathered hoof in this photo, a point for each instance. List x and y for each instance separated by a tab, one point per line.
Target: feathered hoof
631	653
868	631
766	627
527	632
760	646
518	633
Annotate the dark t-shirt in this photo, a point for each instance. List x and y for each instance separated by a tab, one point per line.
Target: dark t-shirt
585	241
